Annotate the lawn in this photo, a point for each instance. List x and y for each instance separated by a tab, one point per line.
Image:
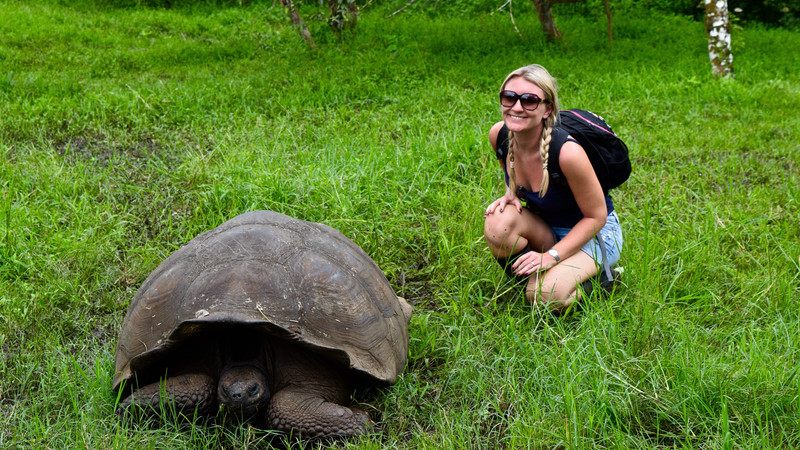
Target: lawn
126	132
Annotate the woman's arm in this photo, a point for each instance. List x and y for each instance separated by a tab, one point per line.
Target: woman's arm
588	194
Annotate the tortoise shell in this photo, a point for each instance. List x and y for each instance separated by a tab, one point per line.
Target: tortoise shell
297	280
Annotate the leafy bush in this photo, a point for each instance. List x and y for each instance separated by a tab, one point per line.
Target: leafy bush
771	12
99	4
784	13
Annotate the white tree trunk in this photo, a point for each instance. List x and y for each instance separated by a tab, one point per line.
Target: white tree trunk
719	38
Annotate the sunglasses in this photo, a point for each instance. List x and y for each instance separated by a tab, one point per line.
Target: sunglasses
528	101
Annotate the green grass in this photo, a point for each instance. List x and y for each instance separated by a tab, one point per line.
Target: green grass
125	132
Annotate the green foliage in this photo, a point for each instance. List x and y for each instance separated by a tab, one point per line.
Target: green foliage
775	13
126	132
771	12
183	4
680	7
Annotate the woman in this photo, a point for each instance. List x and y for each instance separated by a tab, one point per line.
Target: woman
538	231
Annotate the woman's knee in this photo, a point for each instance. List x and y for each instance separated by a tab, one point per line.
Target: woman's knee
555	294
499	226
511	229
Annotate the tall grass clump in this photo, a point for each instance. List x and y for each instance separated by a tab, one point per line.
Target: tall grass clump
127	130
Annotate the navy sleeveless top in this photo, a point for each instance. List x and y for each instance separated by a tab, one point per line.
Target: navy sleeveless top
558	206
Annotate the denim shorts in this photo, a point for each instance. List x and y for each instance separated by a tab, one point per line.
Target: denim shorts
611	234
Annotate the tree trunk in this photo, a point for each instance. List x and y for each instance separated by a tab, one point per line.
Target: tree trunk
352	7
551	32
610	28
719	38
545	14
298	23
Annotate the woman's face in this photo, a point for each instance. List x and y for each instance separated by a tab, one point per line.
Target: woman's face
518	117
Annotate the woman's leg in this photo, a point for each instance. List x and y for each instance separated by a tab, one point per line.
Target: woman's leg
557	288
509	231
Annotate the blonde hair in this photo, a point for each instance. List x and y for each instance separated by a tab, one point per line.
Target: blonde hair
539	76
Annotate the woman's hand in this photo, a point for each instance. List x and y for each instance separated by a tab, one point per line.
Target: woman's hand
502	202
531	262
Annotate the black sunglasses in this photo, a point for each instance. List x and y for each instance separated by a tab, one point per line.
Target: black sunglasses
528	101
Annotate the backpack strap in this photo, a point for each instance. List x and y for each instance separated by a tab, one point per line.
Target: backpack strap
502	142
558	137
606	266
502	149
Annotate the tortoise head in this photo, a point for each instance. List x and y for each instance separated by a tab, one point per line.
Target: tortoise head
243	389
244	380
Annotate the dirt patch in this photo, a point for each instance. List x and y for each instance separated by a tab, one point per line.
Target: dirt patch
416	287
494	424
9	393
105	333
103	150
136	176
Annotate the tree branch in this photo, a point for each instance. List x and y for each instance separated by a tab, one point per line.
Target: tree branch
401	9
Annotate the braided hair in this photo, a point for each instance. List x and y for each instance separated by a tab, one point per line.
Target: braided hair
539	76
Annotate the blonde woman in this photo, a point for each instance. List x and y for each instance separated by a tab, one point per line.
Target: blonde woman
541	232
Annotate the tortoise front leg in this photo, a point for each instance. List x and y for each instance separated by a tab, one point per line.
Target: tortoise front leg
294	408
185	392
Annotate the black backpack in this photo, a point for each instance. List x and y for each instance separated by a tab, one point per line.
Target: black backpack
607	152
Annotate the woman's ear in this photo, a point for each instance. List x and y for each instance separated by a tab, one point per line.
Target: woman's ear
548	112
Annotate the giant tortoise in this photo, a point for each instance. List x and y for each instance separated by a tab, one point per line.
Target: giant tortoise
268	317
